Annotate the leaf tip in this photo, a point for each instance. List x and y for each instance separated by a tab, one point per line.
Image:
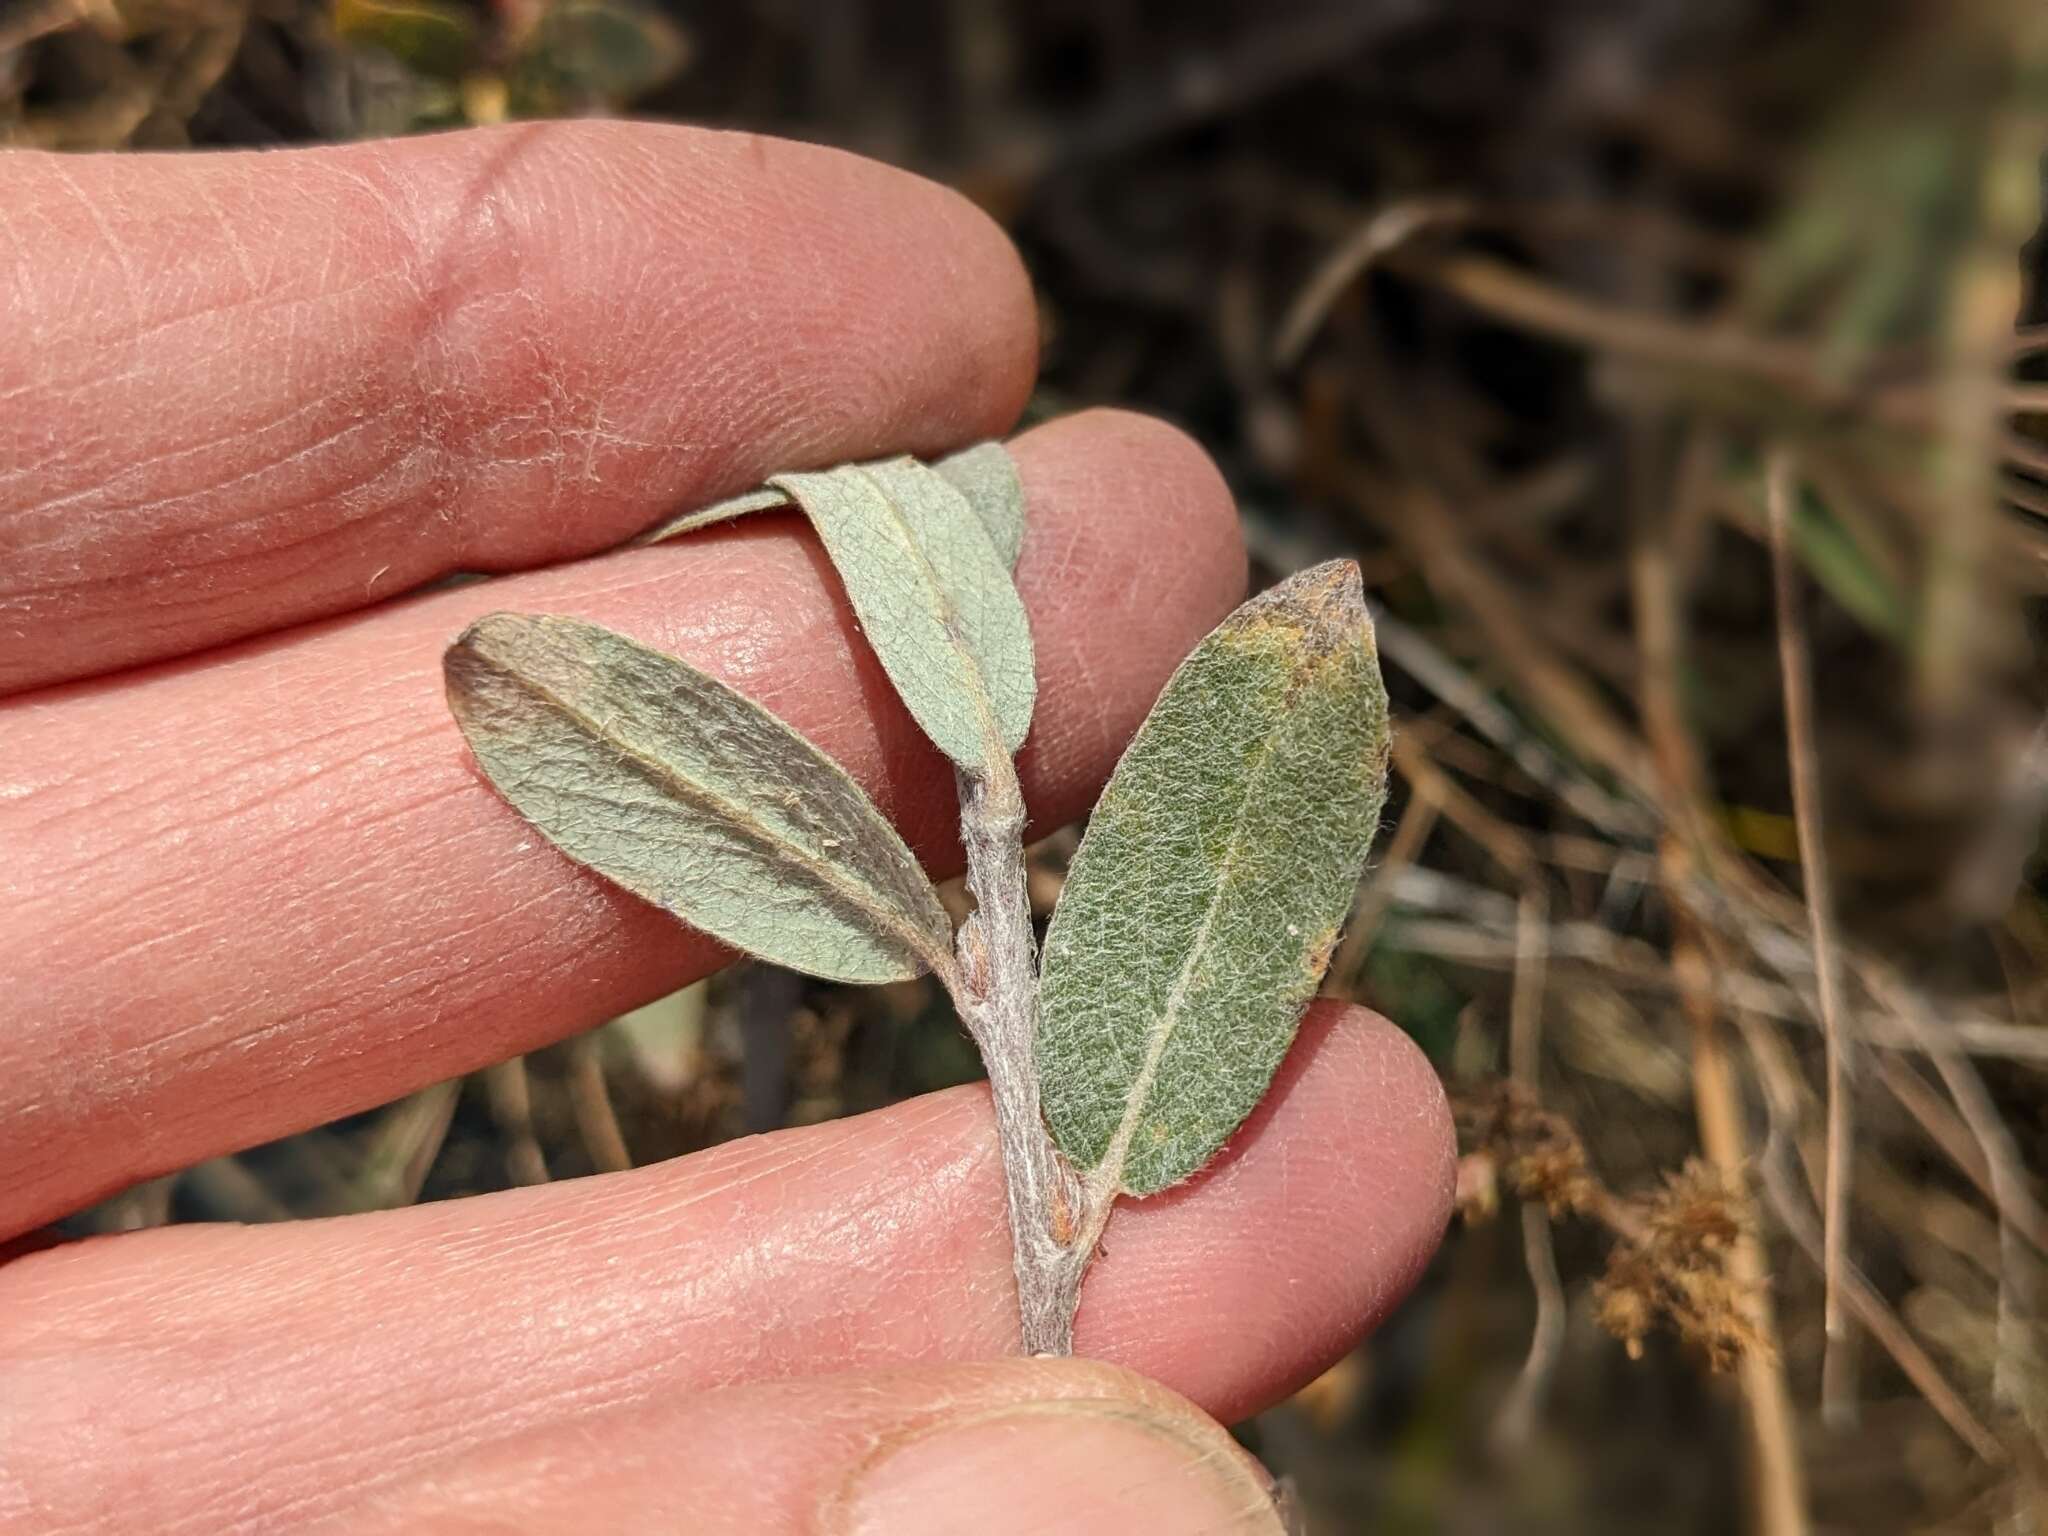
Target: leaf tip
1329	597
1310	616
480	631
468	648
478	661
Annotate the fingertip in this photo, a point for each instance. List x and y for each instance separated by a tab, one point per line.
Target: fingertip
1119	1452
989	265
487	350
1137	473
1155	557
994	1447
955	310
1334	1194
1375	1062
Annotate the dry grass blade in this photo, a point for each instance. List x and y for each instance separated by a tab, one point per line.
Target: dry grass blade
2019	1374
1796	666
1422	520
1411	651
591	1098
511	1101
1384	232
1790	1198
403	1148
1681	346
1518	1415
1417	821
1780	1481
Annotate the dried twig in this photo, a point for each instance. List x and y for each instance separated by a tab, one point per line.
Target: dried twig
1683	347
403	1148
1504	844
1411	651
1780	1478
1385	231
1422	521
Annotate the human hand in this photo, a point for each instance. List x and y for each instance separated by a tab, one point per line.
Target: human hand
252	881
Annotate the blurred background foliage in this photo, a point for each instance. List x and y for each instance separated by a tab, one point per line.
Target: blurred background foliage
1651	356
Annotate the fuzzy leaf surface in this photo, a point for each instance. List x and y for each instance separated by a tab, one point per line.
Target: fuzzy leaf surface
934	598
692	797
1202	907
985	474
766	499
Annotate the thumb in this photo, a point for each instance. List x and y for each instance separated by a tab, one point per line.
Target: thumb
1061	1456
998	1449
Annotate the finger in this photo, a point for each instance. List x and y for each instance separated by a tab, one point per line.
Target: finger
412	1336
268	387
1019	1448
250	893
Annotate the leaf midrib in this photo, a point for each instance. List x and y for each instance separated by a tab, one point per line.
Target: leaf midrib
924	947
1108	1175
994	736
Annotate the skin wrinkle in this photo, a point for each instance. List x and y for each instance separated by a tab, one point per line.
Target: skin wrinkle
132	472
131	287
357	514
68	533
296	775
498	439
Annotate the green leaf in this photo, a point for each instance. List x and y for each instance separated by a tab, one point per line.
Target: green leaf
934	598
428	36
1850	576
693	797
595	53
987	476
767	499
1203	905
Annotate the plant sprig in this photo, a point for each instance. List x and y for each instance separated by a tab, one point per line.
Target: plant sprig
1198	916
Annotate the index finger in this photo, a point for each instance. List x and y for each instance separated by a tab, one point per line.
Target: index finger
277	865
262	388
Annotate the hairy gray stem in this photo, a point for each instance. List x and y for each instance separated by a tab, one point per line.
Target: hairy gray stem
1051	1230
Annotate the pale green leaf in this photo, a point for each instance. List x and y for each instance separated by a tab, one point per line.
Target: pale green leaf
934	598
1203	904
693	797
987	476
766	499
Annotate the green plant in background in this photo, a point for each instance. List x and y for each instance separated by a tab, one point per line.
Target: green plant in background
1199	913
527	59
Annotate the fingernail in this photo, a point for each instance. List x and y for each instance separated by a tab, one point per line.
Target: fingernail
1079	1467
